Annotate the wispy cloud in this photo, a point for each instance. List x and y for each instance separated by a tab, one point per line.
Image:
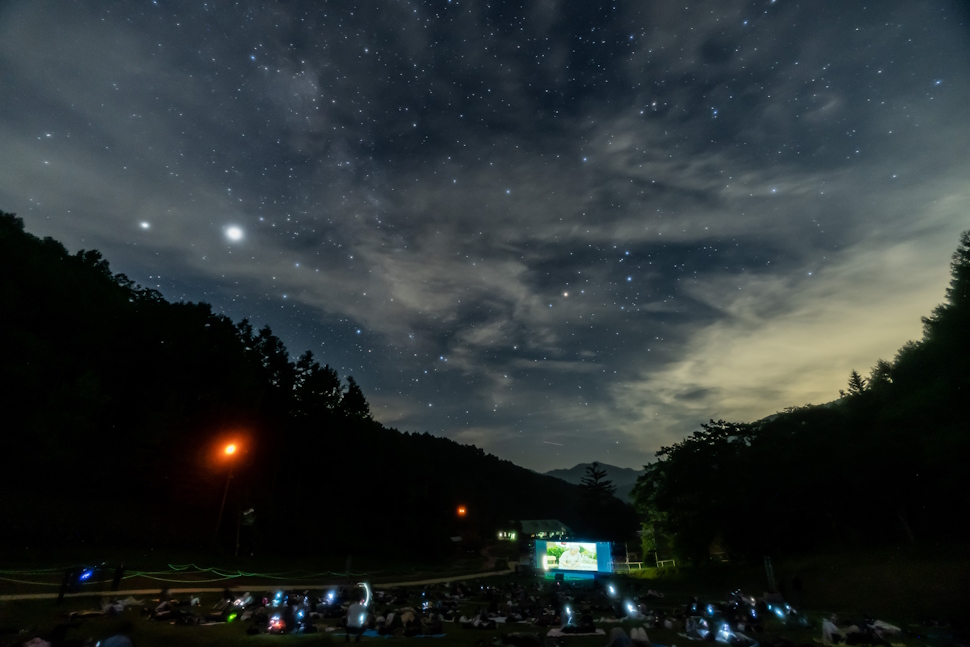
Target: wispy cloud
551	230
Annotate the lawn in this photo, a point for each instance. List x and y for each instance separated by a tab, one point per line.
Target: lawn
904	585
31	618
41	617
901	587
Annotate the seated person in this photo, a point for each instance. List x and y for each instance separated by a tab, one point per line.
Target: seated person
121	638
356	619
433	625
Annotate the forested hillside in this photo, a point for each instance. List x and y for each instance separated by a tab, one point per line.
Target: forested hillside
115	404
883	464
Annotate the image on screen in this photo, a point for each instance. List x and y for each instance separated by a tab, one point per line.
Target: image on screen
570	556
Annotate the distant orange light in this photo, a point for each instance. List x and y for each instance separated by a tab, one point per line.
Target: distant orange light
461	511
230	449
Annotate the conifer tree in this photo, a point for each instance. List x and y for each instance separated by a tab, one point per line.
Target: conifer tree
354	404
597	489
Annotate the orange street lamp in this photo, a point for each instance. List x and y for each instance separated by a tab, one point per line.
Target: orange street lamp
229	451
462	511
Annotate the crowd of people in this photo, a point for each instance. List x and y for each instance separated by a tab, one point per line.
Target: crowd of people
540	608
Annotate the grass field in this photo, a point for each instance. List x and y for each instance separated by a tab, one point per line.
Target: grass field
901	587
905	584
40	617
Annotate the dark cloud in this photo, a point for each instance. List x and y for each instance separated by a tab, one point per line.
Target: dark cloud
695	394
579	223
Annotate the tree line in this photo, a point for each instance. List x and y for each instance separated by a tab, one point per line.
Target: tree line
115	402
883	464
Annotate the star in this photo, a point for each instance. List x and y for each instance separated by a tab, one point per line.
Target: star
330	174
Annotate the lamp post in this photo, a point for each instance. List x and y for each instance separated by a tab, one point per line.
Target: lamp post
229	450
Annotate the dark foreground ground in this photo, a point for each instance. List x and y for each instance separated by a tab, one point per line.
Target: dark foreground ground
470	597
925	593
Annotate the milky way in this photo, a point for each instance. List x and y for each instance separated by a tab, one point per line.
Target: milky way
562	231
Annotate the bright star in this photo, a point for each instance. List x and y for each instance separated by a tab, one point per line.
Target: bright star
145	225
234	233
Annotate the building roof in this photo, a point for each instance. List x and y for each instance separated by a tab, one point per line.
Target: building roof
549	526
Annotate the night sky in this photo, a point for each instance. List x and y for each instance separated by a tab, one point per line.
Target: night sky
561	231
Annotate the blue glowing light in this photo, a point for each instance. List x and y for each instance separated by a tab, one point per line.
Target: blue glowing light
87	574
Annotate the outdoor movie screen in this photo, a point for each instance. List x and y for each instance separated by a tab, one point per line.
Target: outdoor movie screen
574	556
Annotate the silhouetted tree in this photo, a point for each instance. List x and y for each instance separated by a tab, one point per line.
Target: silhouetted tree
758	485
353	404
857	384
604	515
881	375
597	489
318	389
99	376
656	538
949	319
